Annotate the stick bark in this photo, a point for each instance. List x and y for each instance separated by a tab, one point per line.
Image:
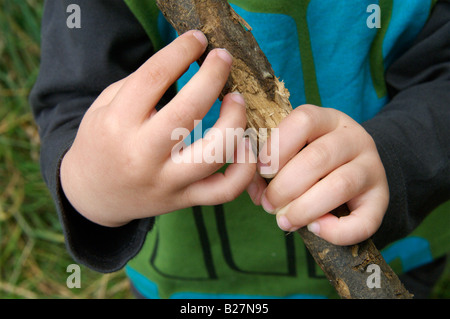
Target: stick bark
346	267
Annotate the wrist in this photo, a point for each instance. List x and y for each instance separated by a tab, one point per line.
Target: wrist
83	199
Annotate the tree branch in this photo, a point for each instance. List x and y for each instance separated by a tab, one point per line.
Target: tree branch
267	105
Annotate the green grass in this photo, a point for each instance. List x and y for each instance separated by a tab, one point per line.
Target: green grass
33	258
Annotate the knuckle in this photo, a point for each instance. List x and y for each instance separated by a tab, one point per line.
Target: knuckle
230	193
188	197
305	116
157	74
317	155
110	126
276	196
346	185
298	220
187	51
366	140
182	52
181	113
214	70
217	76
111	89
133	166
187	47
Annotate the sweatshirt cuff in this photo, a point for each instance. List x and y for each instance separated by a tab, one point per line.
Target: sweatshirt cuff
103	249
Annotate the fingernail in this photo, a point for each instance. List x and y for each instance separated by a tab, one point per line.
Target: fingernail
314	228
225	55
268	175
284	223
238	98
266	170
201	37
266	205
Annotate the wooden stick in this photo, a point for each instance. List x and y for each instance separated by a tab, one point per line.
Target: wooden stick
267	105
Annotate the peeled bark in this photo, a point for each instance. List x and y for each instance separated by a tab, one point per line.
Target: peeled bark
267	105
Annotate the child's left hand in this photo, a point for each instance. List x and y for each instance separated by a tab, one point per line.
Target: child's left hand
326	159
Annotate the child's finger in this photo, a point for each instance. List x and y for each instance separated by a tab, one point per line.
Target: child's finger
302	126
222	188
339	187
207	155
192	102
360	225
314	162
108	94
256	188
144	88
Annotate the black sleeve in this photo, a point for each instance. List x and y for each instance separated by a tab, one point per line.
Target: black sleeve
412	132
76	66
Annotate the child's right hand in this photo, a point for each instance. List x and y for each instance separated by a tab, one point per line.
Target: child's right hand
119	167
